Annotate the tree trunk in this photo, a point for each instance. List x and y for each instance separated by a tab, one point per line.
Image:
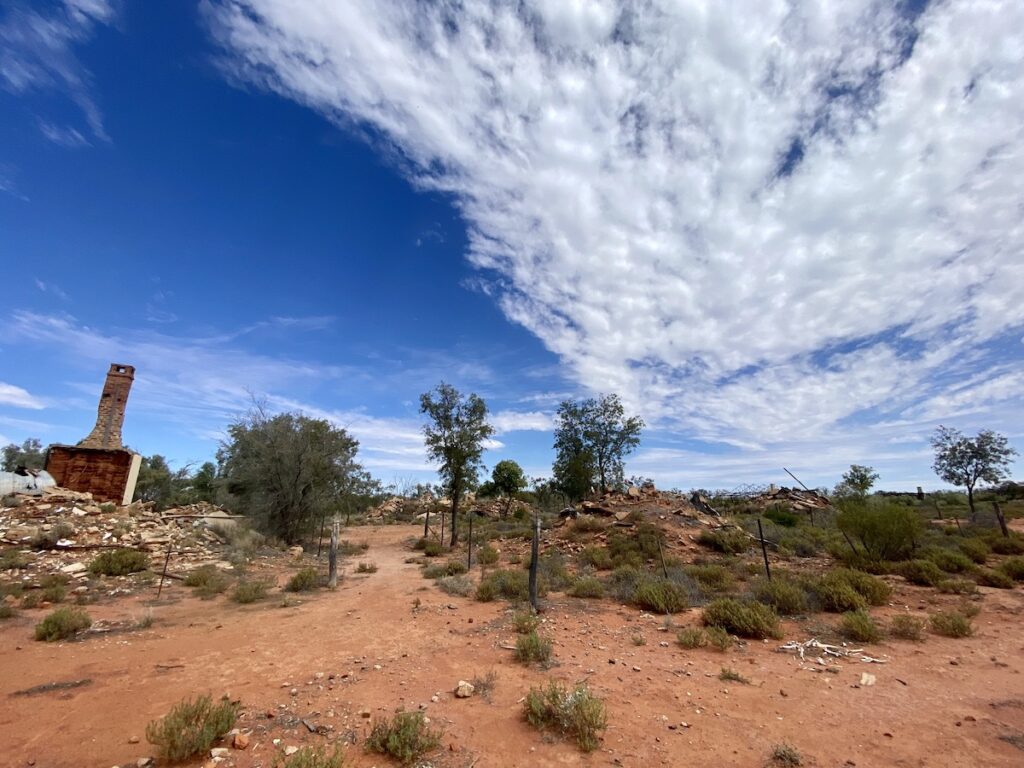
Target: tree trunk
332	557
426	524
534	557
970	500
454	538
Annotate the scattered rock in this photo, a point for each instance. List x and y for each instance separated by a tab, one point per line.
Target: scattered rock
240	741
464	690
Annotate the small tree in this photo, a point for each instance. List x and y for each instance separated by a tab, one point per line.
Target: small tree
455	439
29	455
857	481
593	436
963	461
508	479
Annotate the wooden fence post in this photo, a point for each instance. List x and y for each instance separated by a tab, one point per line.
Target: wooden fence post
535	556
469	544
1001	519
332	557
764	550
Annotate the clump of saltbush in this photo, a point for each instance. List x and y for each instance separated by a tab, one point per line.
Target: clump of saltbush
62	624
858	625
406	737
208	581
456	585
950	560
587	586
698	637
507	585
844	589
576	713
951	624
596	557
746	619
119	562
728	540
989	577
531	647
710	577
312	757
365	567
907	627
191	727
1014	568
924	573
487	555
786	596
305	580
525	622
246	592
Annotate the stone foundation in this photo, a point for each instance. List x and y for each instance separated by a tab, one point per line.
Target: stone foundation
108	474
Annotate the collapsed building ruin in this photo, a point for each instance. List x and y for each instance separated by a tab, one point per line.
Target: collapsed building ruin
100	464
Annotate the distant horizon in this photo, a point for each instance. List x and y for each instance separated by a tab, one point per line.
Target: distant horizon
785	237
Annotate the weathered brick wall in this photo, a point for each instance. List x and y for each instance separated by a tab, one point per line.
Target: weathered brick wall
103	473
110	414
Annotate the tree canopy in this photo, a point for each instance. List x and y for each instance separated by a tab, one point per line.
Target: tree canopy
857	481
289	471
592	439
454	438
28	455
964	461
508	480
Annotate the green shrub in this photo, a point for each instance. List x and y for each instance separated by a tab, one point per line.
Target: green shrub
596	557
976	549
434	571
692	637
119	562
365	567
405	737
752	620
487	555
456	585
525	622
907	627
55	593
785	756
346	547
587	586
718	638
552	572
310	757
782	517
924	573
62	624
576	713
1003	545
859	626
507	585
844	589
951	624
950	561
305	580
1014	568
885	531
871	588
6	611
728	540
433	548
713	578
532	647
989	577
420	544
957	587
728	675
208	581
246	592
191	727
12	559
802	542
660	595
587	524
786	596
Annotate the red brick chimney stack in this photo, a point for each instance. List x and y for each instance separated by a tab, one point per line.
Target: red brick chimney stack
110	414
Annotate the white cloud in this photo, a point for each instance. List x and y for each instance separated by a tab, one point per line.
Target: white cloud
18	397
759	222
516	421
52	288
37	52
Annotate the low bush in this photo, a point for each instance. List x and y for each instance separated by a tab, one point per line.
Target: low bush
588	524
658	594
487	555
507	585
949	560
456	585
191	727
406	737
246	592
587	586
311	757
305	580
432	548
752	620
366	567
208	581
885	531
844	589
532	647
859	626
596	557
713	578
951	624
12	559
785	756
1014	568
1006	545
525	622
692	637
718	639
576	713
786	596
119	562
802	541
346	547
976	549
924	573
782	517
729	675
728	540
989	577
907	627
62	624
957	587
6	611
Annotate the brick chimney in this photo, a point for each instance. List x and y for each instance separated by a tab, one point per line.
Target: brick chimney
110	414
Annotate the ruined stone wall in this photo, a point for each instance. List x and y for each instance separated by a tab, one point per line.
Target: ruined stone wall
109	475
110	413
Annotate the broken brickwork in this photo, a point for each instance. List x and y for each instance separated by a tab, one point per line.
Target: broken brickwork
110	414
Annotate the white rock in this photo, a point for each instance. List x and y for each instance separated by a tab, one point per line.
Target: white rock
464	690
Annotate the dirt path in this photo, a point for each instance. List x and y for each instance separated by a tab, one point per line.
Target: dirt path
942	704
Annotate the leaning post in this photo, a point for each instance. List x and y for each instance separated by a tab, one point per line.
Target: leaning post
534	557
332	557
764	550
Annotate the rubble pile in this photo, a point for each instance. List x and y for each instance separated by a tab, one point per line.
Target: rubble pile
799	499
61	531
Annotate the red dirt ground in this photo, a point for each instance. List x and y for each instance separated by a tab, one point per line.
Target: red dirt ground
942	704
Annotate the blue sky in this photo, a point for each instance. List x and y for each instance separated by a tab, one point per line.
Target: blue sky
336	206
